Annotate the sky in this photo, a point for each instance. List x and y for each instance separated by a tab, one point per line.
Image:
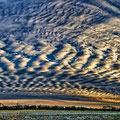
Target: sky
60	52
47	102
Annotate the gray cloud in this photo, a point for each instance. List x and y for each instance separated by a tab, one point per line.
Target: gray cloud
60	48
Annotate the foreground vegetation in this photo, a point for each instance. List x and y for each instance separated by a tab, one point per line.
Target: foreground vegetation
58	115
33	112
40	107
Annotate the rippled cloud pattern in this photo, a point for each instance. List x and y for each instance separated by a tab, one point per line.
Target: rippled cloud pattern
67	48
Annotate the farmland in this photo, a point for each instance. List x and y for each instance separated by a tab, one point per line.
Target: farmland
58	115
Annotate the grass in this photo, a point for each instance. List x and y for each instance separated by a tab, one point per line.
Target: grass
57	115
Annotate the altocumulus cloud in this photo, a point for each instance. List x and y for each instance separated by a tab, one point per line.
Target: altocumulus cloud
66	50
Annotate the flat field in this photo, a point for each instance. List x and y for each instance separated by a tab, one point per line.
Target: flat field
58	115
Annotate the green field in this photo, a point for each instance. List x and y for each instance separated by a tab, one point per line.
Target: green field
57	115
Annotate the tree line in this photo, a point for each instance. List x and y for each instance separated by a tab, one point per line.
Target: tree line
41	107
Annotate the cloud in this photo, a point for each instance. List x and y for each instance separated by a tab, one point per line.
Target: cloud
23	62
70	52
3	0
